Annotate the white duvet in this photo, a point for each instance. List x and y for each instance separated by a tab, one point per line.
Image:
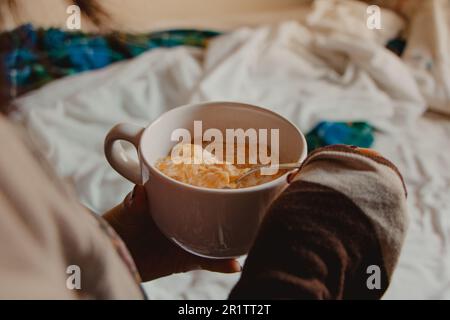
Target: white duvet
321	69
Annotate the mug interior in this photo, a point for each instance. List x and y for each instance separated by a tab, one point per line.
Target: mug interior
156	140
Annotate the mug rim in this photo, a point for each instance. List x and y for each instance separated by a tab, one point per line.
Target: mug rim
266	185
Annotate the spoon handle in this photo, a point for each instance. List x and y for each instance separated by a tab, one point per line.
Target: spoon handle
282	166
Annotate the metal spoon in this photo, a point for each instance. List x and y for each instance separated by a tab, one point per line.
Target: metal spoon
281	166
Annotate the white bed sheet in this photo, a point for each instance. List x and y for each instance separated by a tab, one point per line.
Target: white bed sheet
422	155
70	117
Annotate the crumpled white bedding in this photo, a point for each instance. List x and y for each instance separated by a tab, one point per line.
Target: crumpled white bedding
422	156
427	53
307	72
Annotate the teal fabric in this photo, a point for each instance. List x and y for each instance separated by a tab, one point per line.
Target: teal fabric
360	134
33	57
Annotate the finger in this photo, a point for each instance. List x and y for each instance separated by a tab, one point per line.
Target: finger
136	200
368	152
292	176
219	265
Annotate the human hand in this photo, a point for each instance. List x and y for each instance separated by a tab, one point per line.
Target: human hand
155	255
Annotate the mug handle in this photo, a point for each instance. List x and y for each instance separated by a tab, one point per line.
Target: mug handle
128	167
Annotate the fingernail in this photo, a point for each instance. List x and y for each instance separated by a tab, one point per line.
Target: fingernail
129	198
292	176
133	193
237	266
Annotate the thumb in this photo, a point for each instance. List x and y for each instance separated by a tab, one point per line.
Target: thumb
136	200
220	265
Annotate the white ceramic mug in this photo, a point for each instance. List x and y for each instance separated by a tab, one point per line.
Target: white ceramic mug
213	223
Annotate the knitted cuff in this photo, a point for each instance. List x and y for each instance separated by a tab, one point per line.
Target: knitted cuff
335	233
